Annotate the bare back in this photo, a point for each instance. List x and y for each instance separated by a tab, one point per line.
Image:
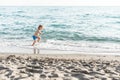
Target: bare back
37	33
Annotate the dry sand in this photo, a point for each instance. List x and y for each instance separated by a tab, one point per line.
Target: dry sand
59	67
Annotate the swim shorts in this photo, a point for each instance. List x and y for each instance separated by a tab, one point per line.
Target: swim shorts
34	37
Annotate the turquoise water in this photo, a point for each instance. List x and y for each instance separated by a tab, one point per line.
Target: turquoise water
65	28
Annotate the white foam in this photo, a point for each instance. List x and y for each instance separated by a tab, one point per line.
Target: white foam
53	45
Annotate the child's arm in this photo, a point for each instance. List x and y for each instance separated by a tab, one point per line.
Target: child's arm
40	32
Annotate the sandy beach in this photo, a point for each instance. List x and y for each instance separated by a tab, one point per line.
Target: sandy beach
59	67
73	42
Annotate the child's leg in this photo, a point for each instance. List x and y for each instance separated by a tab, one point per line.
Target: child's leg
34	42
38	38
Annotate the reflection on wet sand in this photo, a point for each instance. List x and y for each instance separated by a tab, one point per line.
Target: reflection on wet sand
36	50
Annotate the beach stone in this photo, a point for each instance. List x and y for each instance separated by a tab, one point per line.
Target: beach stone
30	74
104	66
67	78
110	70
11	77
53	75
118	68
9	73
86	64
67	75
0	60
24	75
2	67
34	66
104	79
102	71
91	64
85	71
107	63
10	57
115	78
70	67
3	62
98	76
76	70
79	76
21	67
28	58
35	60
66	70
75	74
99	69
60	68
114	72
107	70
50	62
22	71
23	62
93	69
33	63
43	76
67	62
86	79
34	70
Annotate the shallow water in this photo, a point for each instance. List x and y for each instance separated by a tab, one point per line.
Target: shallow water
94	29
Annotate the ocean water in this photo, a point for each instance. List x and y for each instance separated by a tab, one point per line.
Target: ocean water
95	29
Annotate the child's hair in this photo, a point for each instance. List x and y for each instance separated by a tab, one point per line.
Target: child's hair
40	26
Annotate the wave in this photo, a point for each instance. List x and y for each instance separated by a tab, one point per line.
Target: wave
81	46
77	36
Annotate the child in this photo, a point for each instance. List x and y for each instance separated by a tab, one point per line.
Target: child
36	35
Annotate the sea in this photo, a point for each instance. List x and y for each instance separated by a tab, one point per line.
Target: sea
92	29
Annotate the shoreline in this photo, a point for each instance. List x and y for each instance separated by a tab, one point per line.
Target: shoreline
64	56
19	50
